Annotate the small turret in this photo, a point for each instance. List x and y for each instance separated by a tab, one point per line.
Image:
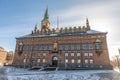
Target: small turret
87	24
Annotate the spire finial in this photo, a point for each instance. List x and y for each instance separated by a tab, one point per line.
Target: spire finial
57	22
46	14
87	23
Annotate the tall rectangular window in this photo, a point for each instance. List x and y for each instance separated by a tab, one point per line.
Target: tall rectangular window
86	61
30	47
91	54
90	46
40	47
60	47
66	60
66	54
38	60
78	46
78	54
79	61
72	54
35	47
45	47
72	47
98	45
84	46
72	61
66	47
91	61
44	60
50	47
85	54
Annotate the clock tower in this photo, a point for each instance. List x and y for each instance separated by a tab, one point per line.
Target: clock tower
45	24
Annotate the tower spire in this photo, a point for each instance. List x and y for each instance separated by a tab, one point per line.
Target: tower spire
46	16
87	24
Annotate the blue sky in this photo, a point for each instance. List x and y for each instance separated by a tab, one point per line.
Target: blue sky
18	18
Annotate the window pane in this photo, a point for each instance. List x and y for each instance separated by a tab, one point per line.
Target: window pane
45	47
84	47
85	54
79	61
66	47
90	54
72	47
43	60
78	54
24	60
35	47
72	54
91	61
86	60
66	54
44	54
90	46
78	46
40	47
72	61
60	47
66	60
38	60
50	47
98	46
24	47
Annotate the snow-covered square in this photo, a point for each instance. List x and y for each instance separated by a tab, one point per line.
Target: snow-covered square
10	73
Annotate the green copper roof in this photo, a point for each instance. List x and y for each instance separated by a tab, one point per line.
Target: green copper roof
46	15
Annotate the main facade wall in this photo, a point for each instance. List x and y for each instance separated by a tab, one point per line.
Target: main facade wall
72	52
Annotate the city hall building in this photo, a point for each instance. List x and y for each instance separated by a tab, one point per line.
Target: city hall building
63	48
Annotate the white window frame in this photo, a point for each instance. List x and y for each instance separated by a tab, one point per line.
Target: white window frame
78	54
72	61
72	54
85	54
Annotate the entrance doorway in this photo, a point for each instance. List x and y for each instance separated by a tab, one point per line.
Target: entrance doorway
54	61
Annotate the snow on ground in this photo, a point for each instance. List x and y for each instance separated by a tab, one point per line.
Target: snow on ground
10	73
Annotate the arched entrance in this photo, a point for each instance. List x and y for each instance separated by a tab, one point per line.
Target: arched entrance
54	61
